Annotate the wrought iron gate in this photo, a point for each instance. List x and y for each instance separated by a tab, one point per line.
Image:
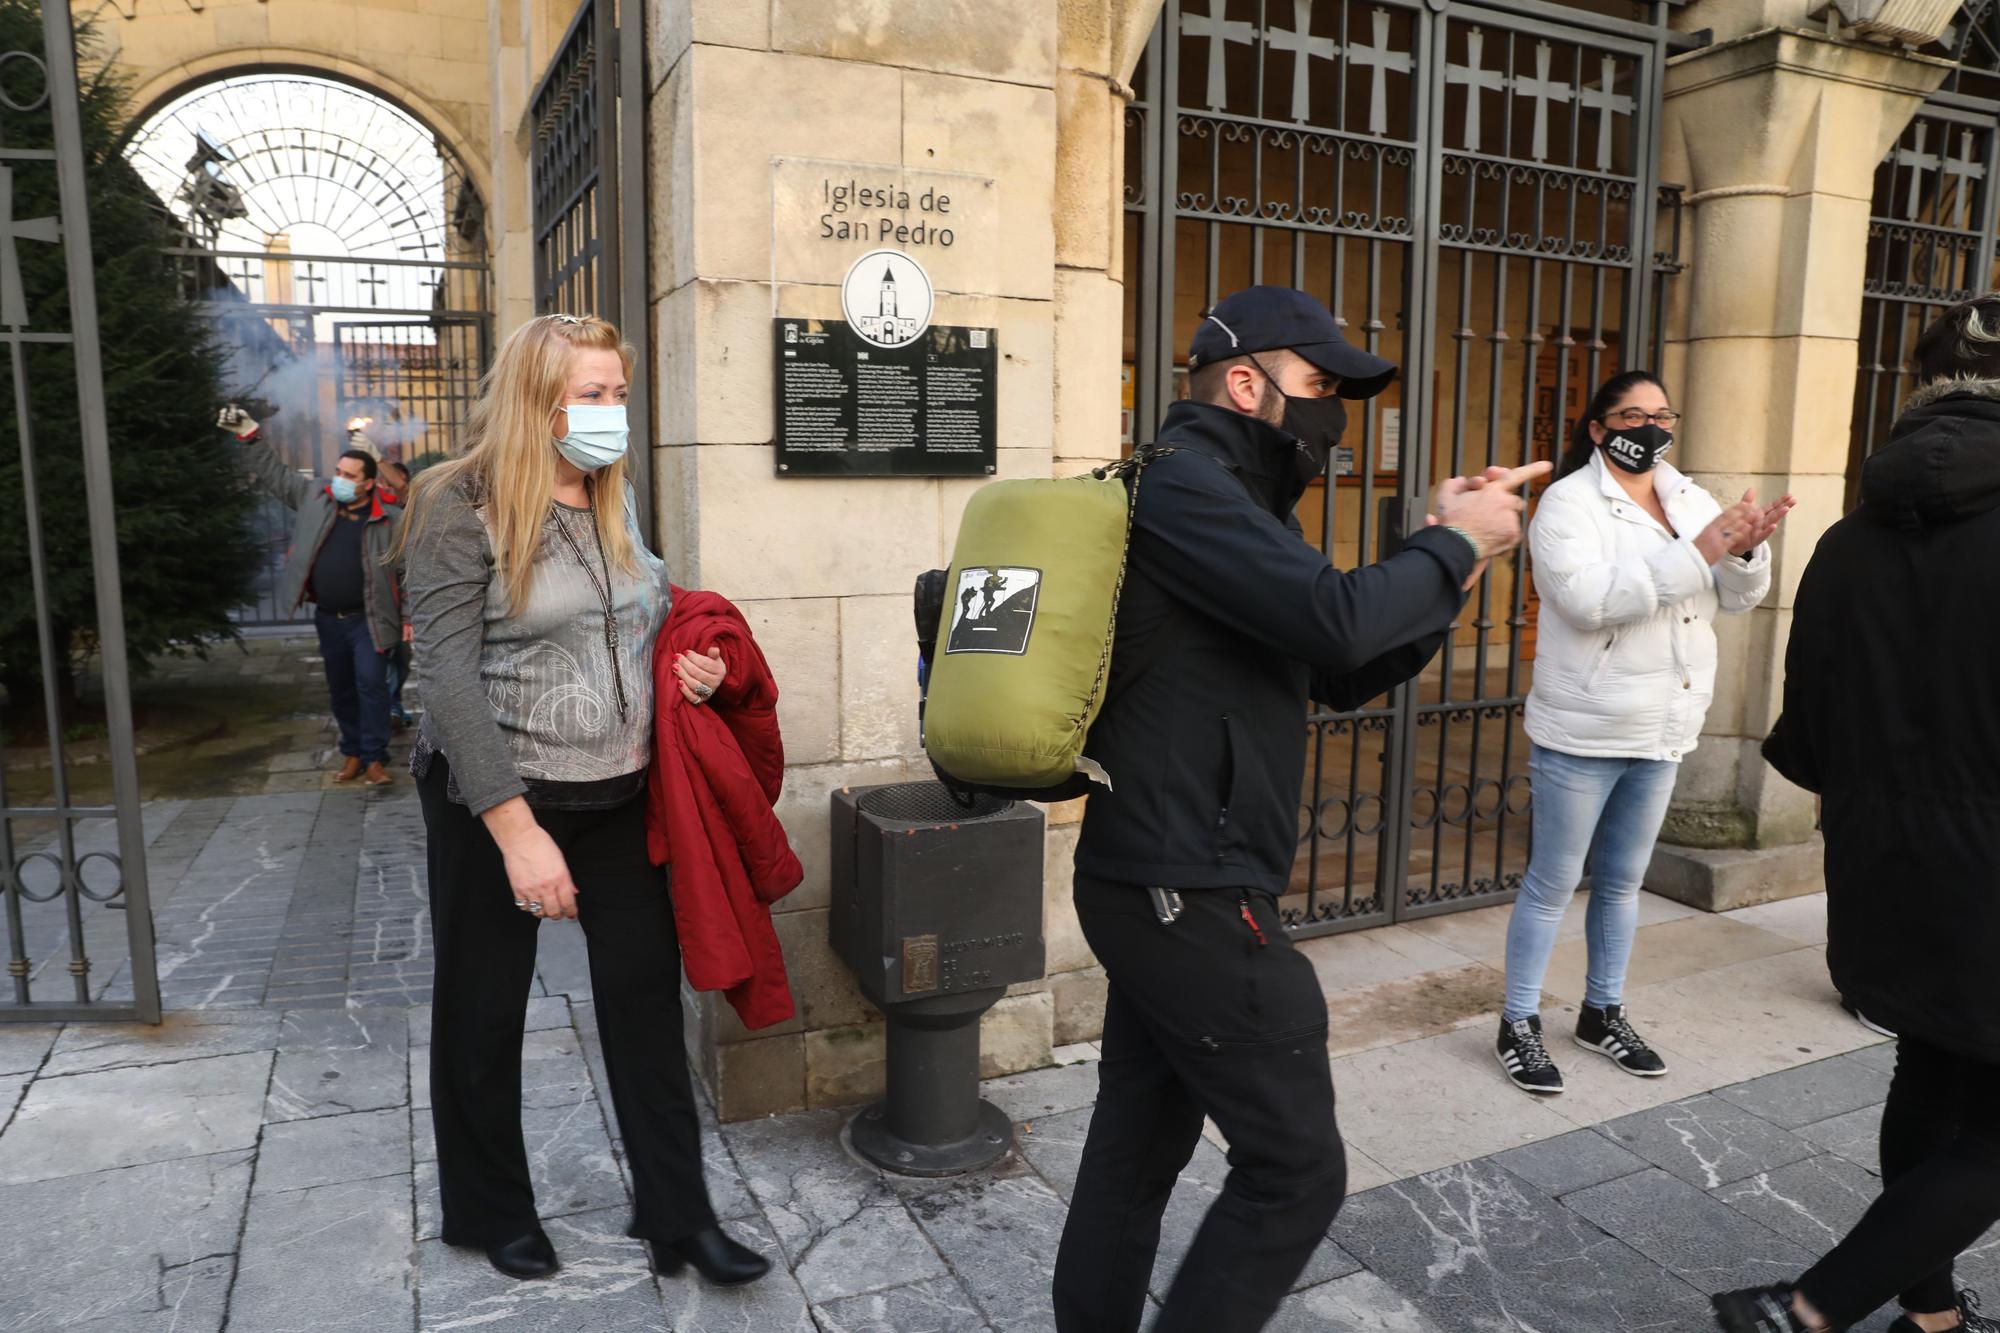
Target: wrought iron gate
339	246
414	381
57	861
1933	226
1473	190
587	176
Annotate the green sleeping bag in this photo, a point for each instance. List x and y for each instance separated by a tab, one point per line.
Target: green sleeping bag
1024	642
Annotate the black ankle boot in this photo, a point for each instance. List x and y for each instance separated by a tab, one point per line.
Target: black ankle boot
714	1255
528	1256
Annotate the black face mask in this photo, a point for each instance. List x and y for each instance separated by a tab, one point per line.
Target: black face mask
1316	423
1638	448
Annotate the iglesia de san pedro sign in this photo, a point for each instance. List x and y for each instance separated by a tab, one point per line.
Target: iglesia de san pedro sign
884	349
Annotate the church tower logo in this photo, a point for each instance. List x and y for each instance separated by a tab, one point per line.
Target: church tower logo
887	298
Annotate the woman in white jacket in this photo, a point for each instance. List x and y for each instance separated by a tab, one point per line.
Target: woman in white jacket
1632	560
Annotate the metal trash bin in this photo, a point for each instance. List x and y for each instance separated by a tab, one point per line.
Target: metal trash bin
937	909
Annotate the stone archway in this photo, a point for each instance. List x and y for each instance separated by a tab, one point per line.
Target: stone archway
159	88
338	244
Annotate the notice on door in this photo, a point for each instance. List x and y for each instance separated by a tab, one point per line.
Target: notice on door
851	407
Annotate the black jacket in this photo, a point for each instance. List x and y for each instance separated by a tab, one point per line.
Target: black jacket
1892	714
1228	622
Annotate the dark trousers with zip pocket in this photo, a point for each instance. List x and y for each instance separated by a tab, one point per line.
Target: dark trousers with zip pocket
1215	1015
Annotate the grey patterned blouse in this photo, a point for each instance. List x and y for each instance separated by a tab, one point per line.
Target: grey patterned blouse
529	704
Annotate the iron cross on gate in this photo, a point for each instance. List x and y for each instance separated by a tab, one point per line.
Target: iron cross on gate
1609	105
1919	162
1381	62
13	297
1968	169
1477	79
1541	90
1303	46
1220	32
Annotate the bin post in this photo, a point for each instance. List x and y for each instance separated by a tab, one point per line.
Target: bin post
937	909
933	1122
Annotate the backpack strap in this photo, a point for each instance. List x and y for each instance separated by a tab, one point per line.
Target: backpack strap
1135	468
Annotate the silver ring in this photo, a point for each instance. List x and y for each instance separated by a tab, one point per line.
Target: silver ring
521	903
703	691
535	908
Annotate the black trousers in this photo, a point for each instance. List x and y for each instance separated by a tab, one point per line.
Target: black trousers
485	966
1940	1190
1217	1015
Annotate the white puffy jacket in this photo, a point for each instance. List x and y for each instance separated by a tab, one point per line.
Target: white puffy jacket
1624	653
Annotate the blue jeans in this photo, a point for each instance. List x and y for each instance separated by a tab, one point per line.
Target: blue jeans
1606	812
357	678
399	674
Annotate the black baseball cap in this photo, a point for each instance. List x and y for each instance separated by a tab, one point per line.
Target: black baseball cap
1264	319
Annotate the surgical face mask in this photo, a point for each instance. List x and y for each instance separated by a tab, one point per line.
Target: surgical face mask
1316	423
1638	448
345	491
597	435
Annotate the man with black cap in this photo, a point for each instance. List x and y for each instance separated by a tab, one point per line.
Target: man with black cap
1228	624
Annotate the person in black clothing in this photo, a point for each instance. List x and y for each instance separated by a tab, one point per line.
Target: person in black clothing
1892	715
1229	622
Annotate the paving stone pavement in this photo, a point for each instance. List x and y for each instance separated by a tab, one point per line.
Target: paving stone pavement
262	1161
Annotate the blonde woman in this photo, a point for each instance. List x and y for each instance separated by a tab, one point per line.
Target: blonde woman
535	605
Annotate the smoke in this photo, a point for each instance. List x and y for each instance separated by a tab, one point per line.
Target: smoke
294	387
396	432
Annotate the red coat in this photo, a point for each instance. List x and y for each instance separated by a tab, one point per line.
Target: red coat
717	769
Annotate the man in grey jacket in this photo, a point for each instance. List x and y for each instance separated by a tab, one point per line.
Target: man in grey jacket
344	530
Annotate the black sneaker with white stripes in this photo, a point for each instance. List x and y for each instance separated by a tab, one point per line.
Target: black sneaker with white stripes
1757	1310
1524	1057
1969	1320
1610	1034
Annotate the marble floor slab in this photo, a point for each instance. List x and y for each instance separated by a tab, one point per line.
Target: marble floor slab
327	1258
151	1245
83	1123
265	1159
88	1047
1707	1141
939	1305
605	1279
1476	1249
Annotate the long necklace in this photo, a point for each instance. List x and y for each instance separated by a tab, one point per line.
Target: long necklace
603	591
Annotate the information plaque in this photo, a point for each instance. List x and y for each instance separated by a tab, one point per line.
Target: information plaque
885	323
847	407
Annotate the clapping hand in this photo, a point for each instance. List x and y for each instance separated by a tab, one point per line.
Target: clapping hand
1742	527
1768	519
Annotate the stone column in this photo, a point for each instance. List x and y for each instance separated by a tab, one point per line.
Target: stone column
1028	93
509	223
1776	132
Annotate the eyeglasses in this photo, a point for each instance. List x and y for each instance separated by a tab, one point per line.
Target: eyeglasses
1634	417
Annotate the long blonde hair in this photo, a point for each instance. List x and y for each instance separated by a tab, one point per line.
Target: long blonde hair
509	463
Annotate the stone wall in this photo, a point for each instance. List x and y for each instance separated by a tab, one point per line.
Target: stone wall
462	67
1028	93
428	55
1762	353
